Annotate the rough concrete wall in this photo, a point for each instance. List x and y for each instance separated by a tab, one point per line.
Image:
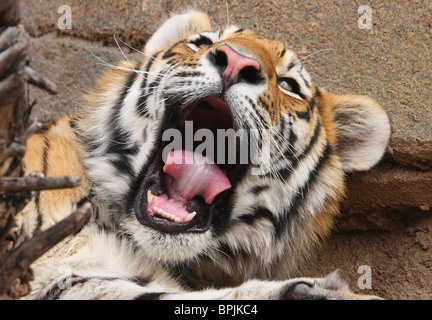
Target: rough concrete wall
386	220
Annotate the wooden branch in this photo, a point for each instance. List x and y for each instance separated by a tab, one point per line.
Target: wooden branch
16	150
11	54
6	36
29	183
8	87
21	258
39	80
31	130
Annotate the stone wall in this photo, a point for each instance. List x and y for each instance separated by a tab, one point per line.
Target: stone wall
386	222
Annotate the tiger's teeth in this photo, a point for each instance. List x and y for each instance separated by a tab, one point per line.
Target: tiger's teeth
149	197
166	214
190	216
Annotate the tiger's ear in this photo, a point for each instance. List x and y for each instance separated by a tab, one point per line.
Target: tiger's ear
362	129
176	28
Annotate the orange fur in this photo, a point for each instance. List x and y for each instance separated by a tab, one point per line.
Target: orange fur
56	153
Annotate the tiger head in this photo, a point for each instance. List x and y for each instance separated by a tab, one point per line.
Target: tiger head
217	146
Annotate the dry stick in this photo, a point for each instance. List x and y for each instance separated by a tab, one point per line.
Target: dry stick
9	56
9	85
29	183
18	148
7	36
31	130
20	259
39	80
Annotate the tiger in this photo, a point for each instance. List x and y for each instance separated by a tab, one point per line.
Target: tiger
169	222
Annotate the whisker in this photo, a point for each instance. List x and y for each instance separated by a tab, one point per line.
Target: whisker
227	13
314	53
124	55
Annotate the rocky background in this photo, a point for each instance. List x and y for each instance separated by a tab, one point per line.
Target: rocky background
387	219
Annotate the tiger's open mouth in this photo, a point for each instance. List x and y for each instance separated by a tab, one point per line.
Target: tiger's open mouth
185	185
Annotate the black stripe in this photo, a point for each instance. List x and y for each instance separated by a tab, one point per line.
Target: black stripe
312	140
150	296
291	141
152	86
289	150
119	138
190	74
232	255
280	138
258	212
302	193
47	147
202	40
179	271
283	174
122	164
261	213
119	143
312	104
45	155
72	280
169	54
191	64
263	103
254	106
256	190
39	216
303	115
82	201
141	281
62	285
142	101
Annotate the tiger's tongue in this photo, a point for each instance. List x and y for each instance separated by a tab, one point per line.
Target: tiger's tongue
188	174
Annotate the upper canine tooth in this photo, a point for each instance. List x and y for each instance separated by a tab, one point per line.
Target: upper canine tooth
190	216
149	197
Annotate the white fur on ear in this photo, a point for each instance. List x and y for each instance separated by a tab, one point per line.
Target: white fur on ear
363	131
177	27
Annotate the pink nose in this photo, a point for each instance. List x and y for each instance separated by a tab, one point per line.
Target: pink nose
235	64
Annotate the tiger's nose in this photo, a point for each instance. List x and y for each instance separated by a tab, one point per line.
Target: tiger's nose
236	67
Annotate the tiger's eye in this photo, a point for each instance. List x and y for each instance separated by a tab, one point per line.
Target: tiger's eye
284	84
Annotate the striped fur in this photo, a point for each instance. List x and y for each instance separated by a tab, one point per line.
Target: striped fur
269	222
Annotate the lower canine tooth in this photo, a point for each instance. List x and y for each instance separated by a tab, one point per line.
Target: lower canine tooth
190	216
149	197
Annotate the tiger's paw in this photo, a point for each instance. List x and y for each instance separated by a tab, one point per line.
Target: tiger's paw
331	287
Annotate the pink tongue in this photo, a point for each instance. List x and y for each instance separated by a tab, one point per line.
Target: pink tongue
189	174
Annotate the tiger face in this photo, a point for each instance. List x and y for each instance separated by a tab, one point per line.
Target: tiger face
217	146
